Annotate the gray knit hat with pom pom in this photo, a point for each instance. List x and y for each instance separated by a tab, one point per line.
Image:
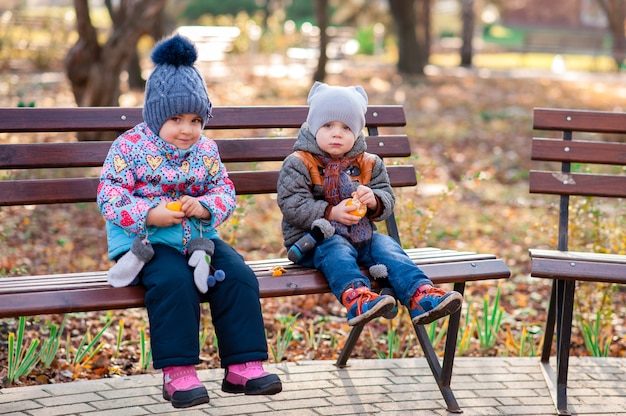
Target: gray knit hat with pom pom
175	85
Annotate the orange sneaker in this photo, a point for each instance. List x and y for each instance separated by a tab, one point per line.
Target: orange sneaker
430	303
364	305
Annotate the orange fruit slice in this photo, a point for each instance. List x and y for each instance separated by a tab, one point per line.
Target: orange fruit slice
174	205
360	210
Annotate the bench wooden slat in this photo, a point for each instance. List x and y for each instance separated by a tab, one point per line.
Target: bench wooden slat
92	154
578	151
122	118
558	183
578	120
582	270
77	292
262	268
71	190
578	255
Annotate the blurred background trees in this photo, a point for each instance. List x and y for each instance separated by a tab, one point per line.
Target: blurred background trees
103	44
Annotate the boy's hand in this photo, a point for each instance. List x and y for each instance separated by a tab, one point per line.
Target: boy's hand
193	208
341	213
366	196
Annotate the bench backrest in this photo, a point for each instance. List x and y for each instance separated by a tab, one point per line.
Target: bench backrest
591	166
252	177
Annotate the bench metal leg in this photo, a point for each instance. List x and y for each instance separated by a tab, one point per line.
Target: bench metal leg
564	335
563	298
442	374
548	336
353	337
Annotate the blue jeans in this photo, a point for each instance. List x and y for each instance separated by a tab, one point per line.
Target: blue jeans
339	261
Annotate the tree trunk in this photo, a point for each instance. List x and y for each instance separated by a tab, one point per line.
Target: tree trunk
321	16
93	69
160	27
423	31
615	14
413	34
467	35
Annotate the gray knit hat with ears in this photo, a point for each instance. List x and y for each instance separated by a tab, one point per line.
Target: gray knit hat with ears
175	85
345	104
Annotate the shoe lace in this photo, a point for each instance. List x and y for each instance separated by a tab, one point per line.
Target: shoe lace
428	292
360	295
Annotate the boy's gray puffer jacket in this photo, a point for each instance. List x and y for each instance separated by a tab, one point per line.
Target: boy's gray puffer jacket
301	195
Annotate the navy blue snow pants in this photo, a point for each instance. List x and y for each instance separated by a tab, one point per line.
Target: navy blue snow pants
173	305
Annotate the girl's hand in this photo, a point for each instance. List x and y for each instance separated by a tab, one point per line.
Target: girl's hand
160	216
192	207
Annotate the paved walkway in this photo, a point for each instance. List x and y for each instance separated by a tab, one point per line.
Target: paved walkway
483	386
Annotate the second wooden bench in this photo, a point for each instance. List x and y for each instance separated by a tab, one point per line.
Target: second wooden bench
574	177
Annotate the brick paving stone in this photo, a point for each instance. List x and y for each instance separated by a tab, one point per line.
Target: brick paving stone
14	414
482	386
299	404
411	387
301	412
62	410
370	398
482	411
526	410
18	406
122	402
244	409
68	399
128	411
22	393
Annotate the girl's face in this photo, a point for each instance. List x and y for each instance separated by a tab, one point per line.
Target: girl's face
335	138
182	130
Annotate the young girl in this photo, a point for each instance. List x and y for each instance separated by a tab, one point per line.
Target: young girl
321	185
165	159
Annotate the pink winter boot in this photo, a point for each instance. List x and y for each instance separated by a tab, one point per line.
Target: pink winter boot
182	387
250	378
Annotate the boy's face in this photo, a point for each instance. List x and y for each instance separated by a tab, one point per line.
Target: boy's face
335	138
182	130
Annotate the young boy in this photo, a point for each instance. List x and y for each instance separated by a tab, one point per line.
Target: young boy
318	187
167	159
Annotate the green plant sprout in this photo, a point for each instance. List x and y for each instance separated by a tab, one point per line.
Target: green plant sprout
88	348
283	338
490	324
21	360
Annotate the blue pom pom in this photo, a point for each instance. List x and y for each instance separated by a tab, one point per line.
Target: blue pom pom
211	280
176	51
218	277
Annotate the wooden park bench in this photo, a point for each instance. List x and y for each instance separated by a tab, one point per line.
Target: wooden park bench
89	291
566	43
563	42
573	157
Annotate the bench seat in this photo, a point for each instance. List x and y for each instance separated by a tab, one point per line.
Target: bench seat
89	291
576	265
